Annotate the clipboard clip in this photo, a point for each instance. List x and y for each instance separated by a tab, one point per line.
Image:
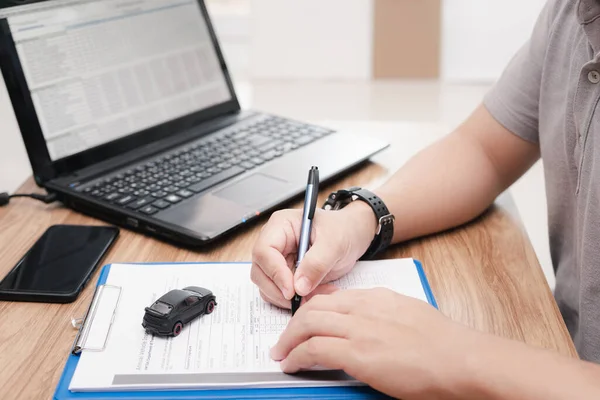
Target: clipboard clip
95	327
77	323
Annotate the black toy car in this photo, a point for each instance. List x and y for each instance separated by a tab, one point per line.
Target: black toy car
169	313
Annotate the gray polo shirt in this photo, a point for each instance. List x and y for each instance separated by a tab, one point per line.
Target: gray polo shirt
549	95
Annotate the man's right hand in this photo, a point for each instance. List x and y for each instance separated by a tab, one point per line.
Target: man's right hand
338	240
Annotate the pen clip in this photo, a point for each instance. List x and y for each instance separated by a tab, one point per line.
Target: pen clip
315	196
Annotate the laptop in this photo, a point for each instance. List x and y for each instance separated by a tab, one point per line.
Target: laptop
128	114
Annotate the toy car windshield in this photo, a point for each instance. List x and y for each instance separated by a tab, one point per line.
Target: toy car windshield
161	308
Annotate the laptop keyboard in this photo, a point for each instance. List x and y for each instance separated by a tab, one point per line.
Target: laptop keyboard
169	179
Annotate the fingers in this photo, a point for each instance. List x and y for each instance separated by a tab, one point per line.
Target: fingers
271	294
275	268
268	289
318	261
279	302
327	352
321	290
308	325
336	300
276	242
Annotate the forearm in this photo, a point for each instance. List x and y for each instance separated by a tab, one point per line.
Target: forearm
457	178
503	369
443	186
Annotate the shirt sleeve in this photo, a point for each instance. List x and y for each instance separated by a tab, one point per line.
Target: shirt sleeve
514	99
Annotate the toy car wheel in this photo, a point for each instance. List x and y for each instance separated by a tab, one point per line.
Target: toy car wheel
210	307
177	329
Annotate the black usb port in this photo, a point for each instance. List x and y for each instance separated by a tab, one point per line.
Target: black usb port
132	222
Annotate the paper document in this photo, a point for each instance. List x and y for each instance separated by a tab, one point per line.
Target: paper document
228	348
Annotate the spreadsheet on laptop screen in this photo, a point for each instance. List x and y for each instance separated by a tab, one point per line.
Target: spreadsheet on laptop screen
100	70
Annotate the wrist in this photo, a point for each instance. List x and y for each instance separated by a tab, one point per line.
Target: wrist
364	225
378	223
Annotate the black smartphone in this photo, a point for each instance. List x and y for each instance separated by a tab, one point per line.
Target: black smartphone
59	264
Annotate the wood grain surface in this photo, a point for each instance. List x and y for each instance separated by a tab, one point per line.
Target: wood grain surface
484	274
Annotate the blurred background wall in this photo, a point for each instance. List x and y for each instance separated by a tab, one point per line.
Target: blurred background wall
339	38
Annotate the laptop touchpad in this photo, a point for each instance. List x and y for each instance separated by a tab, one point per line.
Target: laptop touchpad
254	191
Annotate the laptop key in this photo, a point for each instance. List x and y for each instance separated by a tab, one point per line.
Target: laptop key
173	198
149	210
182	184
185	193
269	155
140	203
141	193
171	189
285	147
258	140
159	194
257	160
162	204
246	165
125	190
112	197
125	200
271	145
216	179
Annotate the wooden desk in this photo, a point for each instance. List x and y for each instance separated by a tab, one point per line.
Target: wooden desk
485	275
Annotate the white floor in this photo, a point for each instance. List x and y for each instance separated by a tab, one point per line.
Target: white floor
415	101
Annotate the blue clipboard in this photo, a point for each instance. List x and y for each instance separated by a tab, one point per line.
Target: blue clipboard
353	392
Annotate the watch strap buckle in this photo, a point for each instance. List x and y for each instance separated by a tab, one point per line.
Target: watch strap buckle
385	220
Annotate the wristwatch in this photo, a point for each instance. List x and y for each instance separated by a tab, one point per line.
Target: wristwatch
385	220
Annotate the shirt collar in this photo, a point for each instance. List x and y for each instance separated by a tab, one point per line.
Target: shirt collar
588	11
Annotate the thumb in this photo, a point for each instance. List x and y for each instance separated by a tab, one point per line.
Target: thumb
318	261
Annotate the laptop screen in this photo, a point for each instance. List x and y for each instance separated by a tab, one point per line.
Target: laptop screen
99	70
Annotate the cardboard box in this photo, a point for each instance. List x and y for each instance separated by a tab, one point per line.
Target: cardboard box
406	38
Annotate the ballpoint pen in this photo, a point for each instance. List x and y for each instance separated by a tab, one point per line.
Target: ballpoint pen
310	206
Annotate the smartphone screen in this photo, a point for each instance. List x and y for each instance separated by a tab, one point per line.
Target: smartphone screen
60	262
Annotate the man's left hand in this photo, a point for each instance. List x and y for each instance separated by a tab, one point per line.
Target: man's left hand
398	345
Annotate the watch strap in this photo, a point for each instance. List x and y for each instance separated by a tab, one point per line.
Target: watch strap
385	220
